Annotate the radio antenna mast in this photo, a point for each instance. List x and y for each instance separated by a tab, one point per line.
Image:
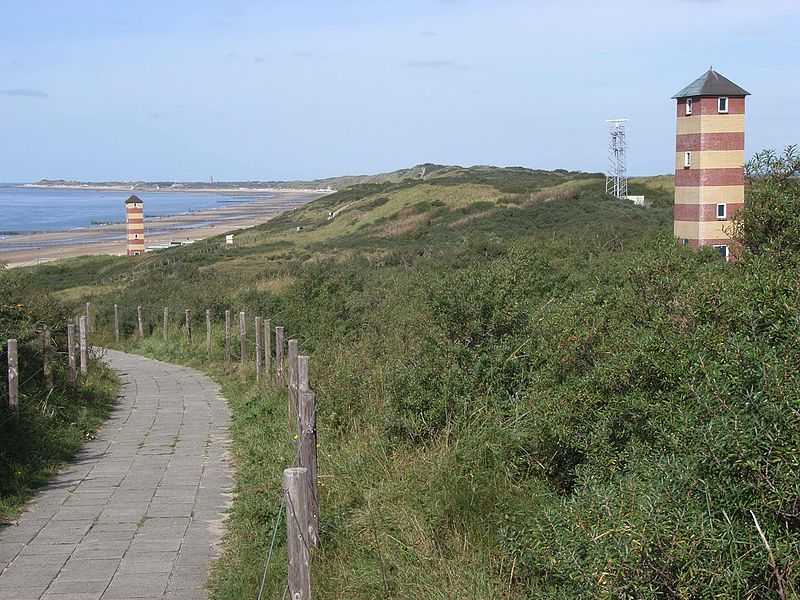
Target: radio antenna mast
617	176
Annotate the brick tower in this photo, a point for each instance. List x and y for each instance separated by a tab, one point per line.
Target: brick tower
134	221
709	161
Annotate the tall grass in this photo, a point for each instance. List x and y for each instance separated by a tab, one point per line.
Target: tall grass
521	394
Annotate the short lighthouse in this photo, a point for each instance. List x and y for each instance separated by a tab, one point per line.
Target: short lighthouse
709	161
134	222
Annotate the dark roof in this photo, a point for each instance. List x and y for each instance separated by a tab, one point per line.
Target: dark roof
711	83
132	199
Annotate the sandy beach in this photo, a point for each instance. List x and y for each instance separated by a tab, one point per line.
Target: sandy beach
37	248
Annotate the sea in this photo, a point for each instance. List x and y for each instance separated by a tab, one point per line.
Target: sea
30	210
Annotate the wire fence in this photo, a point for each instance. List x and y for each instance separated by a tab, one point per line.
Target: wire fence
166	324
30	368
28	358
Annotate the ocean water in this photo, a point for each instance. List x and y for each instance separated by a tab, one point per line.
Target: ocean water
27	210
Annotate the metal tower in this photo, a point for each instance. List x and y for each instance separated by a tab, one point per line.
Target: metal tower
617	177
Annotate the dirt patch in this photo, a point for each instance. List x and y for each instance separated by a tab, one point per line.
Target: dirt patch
465	220
404	222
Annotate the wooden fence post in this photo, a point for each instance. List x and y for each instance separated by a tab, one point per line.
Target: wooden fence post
13	377
82	334
73	371
279	366
88	318
165	327
302	373
141	322
295	485
208	332
292	384
188	326
116	323
47	351
268	349
227	336
243	336
307	454
257	327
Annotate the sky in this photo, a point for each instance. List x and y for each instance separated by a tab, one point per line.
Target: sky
100	90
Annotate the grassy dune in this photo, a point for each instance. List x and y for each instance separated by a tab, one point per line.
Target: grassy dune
526	390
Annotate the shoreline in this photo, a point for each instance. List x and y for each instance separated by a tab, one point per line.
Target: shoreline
179	189
36	248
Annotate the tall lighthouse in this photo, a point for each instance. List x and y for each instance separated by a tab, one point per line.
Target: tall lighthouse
134	222
709	161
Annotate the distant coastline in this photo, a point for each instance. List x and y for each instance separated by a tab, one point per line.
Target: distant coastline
184	187
30	248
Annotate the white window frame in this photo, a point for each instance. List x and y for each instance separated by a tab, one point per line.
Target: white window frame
687	159
719	104
724	215
718	247
688	106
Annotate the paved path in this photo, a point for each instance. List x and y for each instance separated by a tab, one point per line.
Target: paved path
139	513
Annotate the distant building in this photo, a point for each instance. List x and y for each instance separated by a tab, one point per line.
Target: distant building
134	222
709	162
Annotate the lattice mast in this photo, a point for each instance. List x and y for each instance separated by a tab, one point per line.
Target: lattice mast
617	177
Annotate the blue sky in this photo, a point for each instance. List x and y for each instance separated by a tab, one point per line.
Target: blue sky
183	90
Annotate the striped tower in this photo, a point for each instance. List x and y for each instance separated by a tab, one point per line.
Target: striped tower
709	161
134	221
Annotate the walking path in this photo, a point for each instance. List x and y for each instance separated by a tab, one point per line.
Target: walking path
139	513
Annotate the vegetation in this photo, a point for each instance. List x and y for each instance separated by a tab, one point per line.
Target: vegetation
527	389
426	171
51	425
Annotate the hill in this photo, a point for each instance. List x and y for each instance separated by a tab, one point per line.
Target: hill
527	389
426	171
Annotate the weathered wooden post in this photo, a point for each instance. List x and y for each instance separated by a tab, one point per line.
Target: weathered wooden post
227	336
295	485
88	318
188	326
47	366
302	373
141	322
82	335
243	336
268	349
257	327
165	327
13	377
292	395
307	455
279	356
208	332
116	323
73	371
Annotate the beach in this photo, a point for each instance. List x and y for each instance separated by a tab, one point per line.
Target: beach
38	248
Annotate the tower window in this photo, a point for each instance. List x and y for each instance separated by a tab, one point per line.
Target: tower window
723	250
687	160
722	104
688	106
722	212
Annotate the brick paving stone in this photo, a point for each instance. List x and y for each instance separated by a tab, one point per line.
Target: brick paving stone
141	498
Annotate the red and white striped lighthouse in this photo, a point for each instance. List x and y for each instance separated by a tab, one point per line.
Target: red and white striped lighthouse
709	161
134	221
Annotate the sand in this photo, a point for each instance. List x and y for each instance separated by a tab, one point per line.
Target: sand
110	239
